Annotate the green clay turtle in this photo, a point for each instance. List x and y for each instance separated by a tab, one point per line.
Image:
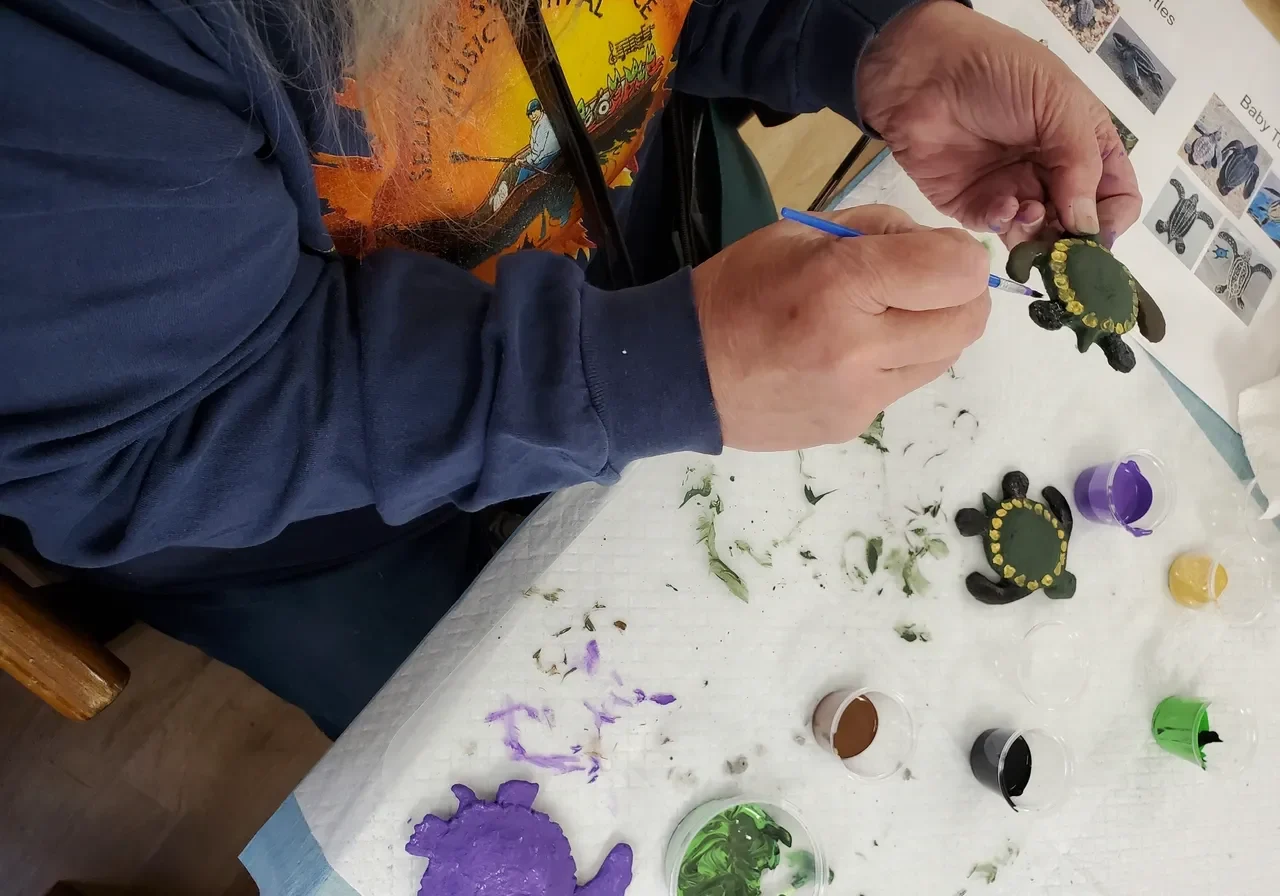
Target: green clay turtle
1091	292
1025	542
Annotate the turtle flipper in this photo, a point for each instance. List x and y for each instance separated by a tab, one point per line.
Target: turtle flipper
1061	509
989	592
614	875
1023	258
1252	182
971	522
1015	484
516	793
1046	314
1063	587
1118	353
1151	322
1204	216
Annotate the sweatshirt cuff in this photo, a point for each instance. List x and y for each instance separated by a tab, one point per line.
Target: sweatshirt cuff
646	372
835	37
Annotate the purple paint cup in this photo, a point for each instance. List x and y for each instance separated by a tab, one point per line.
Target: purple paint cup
1135	493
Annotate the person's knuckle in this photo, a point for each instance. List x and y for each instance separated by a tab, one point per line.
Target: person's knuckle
973	321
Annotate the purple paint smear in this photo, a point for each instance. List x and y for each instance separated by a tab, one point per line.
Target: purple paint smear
576	760
600	717
591	659
561	763
503	847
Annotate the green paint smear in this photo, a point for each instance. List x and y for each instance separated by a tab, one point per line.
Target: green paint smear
707	538
874	436
1177	725
731	853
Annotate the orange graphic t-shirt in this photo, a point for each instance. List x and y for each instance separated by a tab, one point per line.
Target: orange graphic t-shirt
477	172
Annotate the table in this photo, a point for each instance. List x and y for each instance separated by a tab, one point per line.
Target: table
746	675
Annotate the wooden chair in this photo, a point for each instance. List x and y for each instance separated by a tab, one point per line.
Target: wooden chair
59	664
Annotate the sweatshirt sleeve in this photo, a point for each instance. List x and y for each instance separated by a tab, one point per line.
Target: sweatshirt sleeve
791	55
179	372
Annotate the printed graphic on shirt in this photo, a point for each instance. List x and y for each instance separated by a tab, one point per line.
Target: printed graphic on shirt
477	171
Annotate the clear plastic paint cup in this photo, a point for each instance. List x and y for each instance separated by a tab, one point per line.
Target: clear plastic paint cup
710	840
1217	735
869	730
1230	578
1136	492
1029	767
1053	665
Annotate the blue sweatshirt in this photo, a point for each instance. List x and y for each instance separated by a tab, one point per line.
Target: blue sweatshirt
189	366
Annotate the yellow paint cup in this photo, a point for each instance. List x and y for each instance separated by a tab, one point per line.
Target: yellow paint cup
1231	578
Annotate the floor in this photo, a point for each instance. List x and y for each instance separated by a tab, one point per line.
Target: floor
157	795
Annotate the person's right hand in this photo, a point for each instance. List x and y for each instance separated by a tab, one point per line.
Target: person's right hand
808	336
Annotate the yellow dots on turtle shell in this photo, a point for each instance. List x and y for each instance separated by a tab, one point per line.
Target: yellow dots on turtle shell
994	535
1075	307
1060	281
1016	502
1047	581
1120	329
1001	512
1090	320
1019	581
997	560
1063	536
1007	505
1009	572
1108	326
1059	264
997	523
1033	585
1057	570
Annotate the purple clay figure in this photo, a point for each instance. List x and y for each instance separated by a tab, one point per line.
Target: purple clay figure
506	848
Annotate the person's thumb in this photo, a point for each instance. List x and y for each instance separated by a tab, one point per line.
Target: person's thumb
1069	154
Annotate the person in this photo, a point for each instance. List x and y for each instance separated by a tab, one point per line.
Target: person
544	146
268	341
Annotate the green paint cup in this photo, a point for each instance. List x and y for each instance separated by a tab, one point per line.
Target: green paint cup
706	850
1214	734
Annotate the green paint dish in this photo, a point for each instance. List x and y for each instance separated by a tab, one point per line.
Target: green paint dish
743	846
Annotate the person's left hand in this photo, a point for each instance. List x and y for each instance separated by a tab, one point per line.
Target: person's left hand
994	128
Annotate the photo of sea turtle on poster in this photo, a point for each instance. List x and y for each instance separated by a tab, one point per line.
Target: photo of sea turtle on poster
1087	20
1136	65
1225	155
1236	272
1265	208
1182	218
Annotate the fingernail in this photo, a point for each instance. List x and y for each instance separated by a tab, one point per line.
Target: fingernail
1109	238
997	227
1025	217
1085	210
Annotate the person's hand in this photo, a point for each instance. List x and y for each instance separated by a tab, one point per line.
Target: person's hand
808	336
994	128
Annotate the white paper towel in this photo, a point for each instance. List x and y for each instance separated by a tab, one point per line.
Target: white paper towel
747	675
1259	412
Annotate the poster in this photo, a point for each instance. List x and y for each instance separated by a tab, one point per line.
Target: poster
1194	88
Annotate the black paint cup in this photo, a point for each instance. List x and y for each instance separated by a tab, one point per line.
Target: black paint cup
1030	768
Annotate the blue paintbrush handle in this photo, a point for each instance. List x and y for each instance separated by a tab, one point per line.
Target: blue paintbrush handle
840	230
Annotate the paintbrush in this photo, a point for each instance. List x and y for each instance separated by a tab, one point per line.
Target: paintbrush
840	230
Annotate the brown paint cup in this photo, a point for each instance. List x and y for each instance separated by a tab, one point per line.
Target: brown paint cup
869	730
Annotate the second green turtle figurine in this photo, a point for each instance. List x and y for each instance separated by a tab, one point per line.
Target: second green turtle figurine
1025	542
1090	292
